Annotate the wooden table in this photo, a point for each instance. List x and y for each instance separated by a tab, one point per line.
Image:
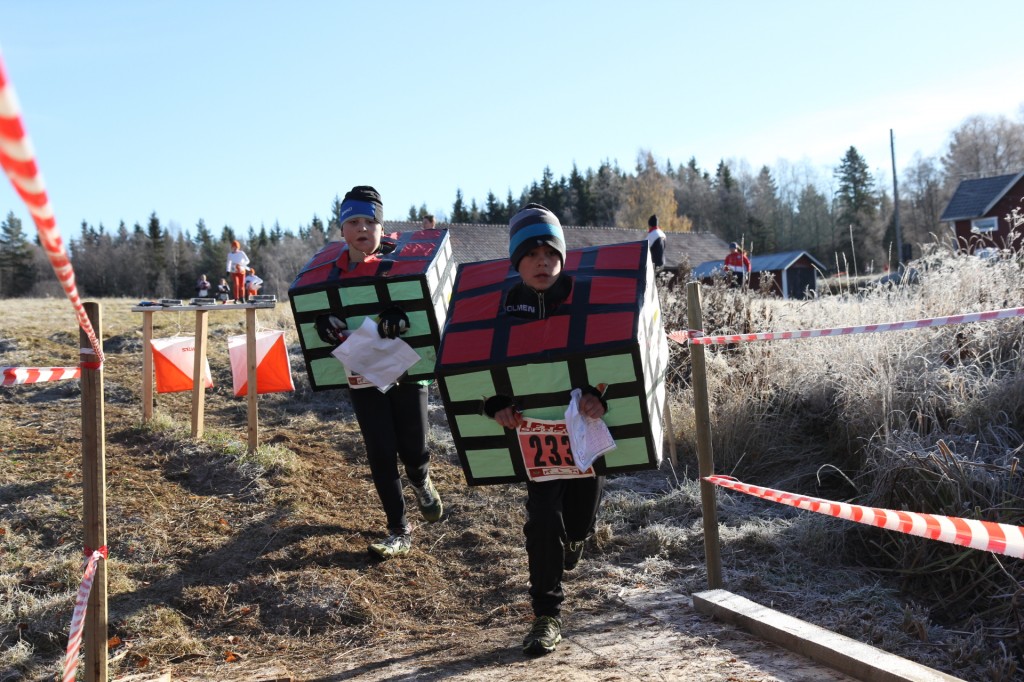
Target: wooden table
199	369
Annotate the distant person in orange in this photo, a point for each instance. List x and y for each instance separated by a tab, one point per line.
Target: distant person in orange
738	265
252	284
238	264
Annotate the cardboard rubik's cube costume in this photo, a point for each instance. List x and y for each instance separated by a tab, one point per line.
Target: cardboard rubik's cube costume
609	331
414	272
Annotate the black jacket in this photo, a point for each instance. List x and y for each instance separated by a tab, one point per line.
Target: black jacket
525	301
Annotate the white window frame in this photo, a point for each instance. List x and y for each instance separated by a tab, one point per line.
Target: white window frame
985	225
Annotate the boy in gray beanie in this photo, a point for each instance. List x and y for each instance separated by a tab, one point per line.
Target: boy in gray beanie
560	514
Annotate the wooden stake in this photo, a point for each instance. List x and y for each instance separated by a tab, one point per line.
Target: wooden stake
94	499
250	357
705	454
147	366
199	376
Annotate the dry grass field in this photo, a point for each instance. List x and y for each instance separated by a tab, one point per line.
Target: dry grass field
228	565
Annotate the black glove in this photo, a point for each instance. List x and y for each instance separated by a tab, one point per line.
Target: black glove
495	404
392	322
331	329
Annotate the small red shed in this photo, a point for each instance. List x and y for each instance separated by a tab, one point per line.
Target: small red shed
982	213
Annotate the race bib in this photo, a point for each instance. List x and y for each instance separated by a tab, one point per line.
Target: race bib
547	455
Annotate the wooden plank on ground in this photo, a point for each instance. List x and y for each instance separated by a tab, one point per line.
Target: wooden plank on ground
839	652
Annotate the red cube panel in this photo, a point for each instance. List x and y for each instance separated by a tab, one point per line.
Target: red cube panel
605	327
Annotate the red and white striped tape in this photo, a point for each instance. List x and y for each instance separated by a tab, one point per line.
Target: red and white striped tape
999	538
78	618
698	338
18	161
12	376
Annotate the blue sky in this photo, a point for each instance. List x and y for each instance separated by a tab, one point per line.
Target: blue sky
243	113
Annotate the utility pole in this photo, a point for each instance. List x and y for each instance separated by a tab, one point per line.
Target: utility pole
896	204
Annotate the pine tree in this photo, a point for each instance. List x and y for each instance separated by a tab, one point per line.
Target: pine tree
203	235
181	271
212	253
605	187
548	192
493	212
511	207
813	223
335	222
730	217
763	221
156	256
695	196
856	189
579	192
860	233
459	212
17	264
723	178
316	230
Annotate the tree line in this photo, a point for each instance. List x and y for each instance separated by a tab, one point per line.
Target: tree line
845	218
152	261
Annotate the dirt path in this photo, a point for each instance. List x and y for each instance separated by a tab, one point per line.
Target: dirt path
654	635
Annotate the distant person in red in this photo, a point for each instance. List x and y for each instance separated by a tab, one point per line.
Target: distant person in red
737	264
238	265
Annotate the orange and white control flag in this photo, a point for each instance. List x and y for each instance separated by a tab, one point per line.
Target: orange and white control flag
174	361
273	370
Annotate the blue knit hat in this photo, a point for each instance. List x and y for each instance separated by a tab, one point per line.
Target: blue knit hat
534	226
361	201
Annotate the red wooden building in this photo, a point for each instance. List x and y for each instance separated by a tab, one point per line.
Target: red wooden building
982	213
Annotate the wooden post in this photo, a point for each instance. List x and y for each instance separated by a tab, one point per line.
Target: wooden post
250	357
94	500
705	454
199	375
147	366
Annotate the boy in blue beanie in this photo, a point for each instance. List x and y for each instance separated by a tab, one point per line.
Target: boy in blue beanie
393	423
560	514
